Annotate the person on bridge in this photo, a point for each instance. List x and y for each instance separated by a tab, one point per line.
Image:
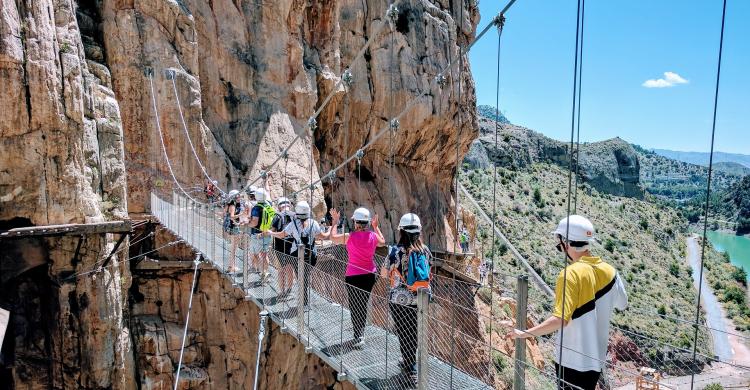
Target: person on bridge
586	294
360	268
232	211
283	246
305	230
261	216
409	270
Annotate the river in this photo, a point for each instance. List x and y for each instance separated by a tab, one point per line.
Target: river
738	248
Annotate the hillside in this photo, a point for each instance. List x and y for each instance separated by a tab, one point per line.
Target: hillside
610	166
736	204
732	168
701	158
645	240
676	181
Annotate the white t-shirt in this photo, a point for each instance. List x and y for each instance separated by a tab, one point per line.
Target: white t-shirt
296	230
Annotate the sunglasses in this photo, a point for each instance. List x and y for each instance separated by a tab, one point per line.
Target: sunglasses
560	245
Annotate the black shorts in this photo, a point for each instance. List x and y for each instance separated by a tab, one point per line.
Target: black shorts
570	379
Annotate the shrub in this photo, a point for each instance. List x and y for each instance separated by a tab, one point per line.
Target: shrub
662	310
644	224
609	245
740	275
734	294
714	386
674	269
499	361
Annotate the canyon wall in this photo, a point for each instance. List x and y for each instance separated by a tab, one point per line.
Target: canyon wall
61	161
84	83
249	76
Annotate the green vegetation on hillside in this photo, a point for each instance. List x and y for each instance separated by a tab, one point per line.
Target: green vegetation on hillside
489	112
644	241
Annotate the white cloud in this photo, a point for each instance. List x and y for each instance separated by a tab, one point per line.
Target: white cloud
670	80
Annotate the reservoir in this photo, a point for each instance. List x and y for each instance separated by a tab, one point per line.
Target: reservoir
738	247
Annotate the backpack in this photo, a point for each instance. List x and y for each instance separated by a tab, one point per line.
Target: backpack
267	218
417	269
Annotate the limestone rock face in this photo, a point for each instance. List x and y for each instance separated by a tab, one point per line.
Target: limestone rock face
61	161
249	76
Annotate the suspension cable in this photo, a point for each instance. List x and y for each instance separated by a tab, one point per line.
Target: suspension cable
708	190
184	127
570	182
161	138
458	169
187	320
500	20
578	114
328	98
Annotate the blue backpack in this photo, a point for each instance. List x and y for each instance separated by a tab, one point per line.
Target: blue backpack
417	269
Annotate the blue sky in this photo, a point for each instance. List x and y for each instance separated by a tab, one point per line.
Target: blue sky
626	43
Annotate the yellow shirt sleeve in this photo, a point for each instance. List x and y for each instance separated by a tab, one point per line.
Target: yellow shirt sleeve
568	298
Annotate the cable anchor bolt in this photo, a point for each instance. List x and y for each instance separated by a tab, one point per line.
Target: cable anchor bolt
263	174
441	81
347	77
359	155
395	124
392	13
331	175
148	71
312	123
169	74
499	21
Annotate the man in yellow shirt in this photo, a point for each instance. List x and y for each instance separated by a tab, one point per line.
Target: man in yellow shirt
586	294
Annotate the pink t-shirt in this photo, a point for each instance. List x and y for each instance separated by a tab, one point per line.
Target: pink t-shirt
361	247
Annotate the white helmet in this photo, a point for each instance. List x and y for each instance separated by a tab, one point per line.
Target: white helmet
361	214
302	210
260	195
283	201
232	194
410	223
579	229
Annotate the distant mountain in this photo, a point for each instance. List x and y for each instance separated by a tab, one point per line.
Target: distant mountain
610	166
701	158
732	168
489	113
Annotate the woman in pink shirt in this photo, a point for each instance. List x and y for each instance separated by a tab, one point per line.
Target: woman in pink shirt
360	270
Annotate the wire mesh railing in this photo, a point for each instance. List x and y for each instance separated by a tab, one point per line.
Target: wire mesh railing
455	340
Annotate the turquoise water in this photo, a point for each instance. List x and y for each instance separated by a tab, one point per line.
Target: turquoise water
738	247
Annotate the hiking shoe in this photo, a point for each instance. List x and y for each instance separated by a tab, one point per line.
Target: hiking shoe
359	342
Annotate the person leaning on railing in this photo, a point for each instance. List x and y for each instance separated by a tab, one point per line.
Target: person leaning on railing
304	230
587	292
360	267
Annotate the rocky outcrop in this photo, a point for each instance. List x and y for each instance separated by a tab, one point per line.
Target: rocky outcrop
610	166
61	161
249	77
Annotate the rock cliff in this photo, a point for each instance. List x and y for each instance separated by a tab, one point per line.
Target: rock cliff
610	166
61	161
79	144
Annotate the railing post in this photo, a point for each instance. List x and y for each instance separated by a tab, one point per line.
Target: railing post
423	302
300	290
244	241
522	294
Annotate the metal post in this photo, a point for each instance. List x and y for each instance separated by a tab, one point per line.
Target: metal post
187	320
300	290
244	239
261	336
423	302
522	294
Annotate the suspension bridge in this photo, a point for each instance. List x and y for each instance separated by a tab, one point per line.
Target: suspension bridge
458	345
